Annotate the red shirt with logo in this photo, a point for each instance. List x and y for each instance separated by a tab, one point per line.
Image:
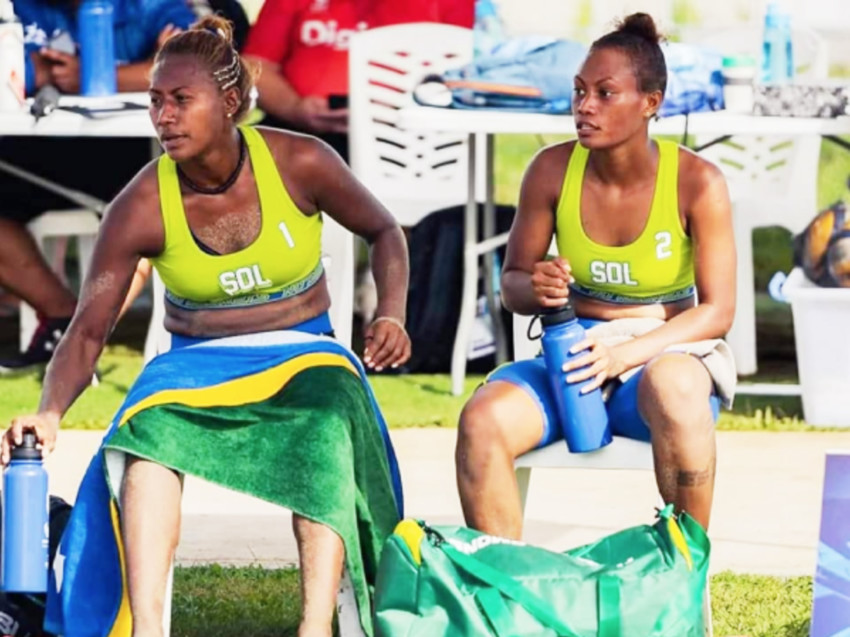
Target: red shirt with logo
309	38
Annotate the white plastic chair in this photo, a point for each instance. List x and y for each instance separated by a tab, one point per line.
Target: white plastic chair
622	454
79	224
412	174
772	180
415	173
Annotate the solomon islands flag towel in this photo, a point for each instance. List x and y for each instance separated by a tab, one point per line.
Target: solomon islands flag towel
285	416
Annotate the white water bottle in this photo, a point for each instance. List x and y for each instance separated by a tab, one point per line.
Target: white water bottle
12	71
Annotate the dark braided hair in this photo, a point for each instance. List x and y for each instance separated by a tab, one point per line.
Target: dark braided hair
637	36
210	41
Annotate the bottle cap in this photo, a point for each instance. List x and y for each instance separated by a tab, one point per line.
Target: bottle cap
7	11
27	450
484	8
558	315
738	61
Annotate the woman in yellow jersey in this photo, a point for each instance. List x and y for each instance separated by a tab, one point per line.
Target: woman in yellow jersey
230	217
643	227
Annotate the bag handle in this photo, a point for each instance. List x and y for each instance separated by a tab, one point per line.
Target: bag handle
608	605
510	588
493	605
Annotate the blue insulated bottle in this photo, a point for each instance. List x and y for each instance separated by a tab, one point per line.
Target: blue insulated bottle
23	563
583	418
97	48
777	55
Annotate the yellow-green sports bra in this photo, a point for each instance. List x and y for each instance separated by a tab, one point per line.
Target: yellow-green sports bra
284	259
657	267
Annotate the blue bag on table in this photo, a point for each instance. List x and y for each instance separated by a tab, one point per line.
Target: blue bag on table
528	74
694	79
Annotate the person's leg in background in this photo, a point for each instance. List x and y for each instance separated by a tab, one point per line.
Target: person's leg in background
25	273
109	165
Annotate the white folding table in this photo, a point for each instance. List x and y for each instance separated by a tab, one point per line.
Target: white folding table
121	115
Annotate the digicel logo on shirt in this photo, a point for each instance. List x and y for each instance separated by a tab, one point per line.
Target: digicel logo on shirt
327	33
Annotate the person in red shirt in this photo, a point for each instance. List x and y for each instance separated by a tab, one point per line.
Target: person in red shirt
301	48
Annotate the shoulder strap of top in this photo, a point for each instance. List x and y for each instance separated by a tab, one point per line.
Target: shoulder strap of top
571	188
263	164
170	200
667	194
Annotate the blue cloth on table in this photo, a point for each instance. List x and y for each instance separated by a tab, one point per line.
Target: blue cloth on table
529	73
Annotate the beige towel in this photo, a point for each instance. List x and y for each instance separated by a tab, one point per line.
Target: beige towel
714	353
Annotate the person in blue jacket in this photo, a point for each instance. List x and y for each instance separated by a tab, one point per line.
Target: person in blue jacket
140	27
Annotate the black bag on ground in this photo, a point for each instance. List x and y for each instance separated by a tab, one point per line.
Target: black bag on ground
22	615
823	248
436	282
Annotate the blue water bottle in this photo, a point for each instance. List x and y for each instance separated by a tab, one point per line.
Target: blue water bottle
583	418
777	59
97	48
23	559
487	30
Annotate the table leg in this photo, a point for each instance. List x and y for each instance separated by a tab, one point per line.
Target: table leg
470	279
493	302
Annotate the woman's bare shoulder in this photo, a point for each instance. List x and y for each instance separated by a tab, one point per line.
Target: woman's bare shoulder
551	161
135	212
699	178
697	172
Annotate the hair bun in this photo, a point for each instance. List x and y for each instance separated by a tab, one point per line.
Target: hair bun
641	25
216	25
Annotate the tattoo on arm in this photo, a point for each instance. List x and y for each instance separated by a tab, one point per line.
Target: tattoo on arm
694	478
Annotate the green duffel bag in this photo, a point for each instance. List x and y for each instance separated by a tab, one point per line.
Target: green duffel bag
454	581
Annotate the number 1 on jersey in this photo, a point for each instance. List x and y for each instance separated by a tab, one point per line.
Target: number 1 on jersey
286	235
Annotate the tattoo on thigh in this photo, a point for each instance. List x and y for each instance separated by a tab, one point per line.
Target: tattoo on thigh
693	478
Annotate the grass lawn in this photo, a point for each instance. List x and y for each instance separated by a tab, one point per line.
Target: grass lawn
411	400
227	602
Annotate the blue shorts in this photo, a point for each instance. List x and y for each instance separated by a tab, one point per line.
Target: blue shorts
622	404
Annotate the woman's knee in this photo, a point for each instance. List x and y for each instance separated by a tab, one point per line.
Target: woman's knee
480	424
676	387
499	416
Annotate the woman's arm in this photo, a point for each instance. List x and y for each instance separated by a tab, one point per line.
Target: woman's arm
125	234
529	282
333	189
328	185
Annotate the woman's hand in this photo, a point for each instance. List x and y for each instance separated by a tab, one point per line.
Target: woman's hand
387	344
45	425
549	281
601	363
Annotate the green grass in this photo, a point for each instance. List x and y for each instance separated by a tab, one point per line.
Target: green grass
761	606
118	368
412	400
212	600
